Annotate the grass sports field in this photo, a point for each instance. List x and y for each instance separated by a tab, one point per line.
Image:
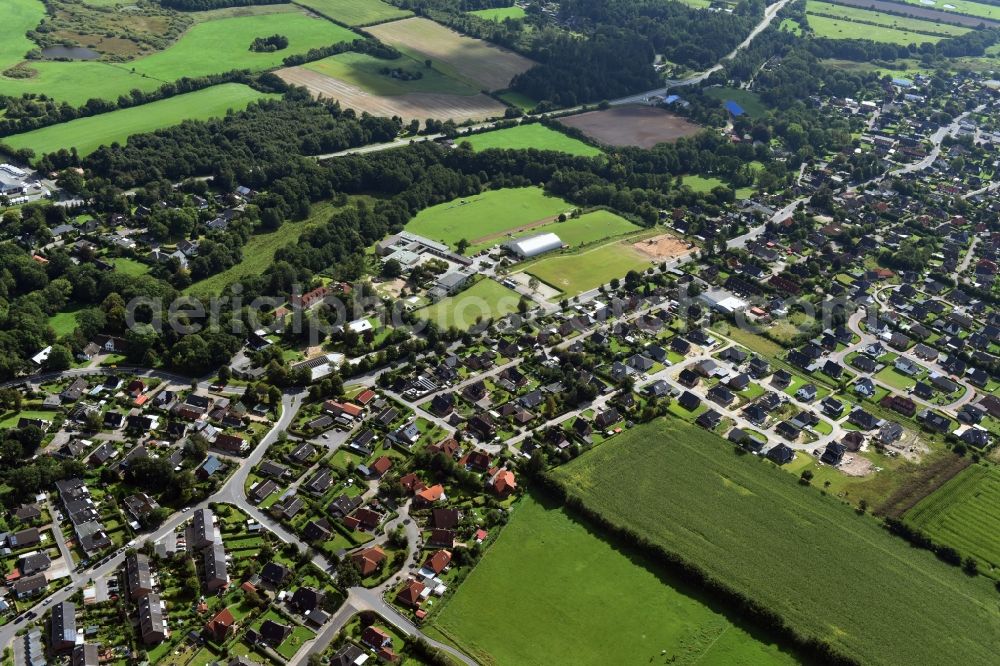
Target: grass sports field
87	134
500	13
576	231
883	19
485	299
746	99
964	514
487	217
480	63
548	571
579	272
533	135
226	39
807	557
355	12
838	29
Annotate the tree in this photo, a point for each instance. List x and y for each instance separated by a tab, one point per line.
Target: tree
392	269
461	246
59	358
348	575
970	566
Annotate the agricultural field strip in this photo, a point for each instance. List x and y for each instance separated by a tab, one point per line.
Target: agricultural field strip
964	513
965	12
767	503
844	29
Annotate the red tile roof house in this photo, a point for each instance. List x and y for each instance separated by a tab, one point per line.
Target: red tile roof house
230	444
438	561
411	483
337	408
502	482
375	637
221	626
368	560
409	596
381	466
365	397
310	298
429	496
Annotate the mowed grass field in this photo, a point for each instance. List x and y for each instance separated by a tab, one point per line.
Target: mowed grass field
355	12
578	272
840	29
484	65
565	596
979	9
87	134
487	217
883	19
365	71
831	574
499	13
208	47
19	16
485	299
533	135
964	514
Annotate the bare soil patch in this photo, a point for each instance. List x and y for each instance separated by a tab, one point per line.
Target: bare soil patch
857	466
642	126
663	246
419	106
489	66
923	481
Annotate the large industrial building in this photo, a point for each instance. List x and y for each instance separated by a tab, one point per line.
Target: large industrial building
532	246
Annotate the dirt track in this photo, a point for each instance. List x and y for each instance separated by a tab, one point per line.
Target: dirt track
642	126
419	106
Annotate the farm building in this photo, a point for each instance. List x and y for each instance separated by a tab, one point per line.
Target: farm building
532	246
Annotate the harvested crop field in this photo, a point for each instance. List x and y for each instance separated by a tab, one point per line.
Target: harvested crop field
664	247
410	106
642	126
488	66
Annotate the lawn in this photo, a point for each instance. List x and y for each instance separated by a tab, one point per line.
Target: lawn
486	298
10	419
87	134
130	266
806	557
63	323
964	514
708	183
610	605
259	251
532	135
883	20
487	217
355	12
226	39
576	273
746	99
365	72
500	13
838	29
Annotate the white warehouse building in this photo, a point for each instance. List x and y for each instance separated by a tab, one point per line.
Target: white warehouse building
532	246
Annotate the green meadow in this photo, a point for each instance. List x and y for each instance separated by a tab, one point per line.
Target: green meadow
564	595
208	47
87	134
499	13
532	135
